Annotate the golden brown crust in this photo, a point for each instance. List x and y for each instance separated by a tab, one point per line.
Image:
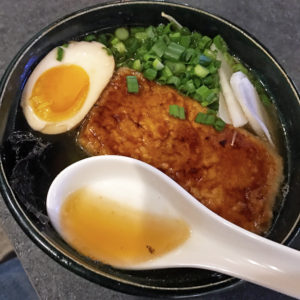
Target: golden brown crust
231	172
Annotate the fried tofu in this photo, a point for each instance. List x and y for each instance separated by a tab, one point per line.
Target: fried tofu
232	172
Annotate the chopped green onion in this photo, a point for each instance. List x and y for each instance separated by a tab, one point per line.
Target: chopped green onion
132	84
212	69
210	98
210	54
59	54
102	39
207	119
173	80
132	45
219	124
141	35
177	111
150	32
90	38
159	48
176	67
181	113
214	106
122	33
162	80
173	51
202	92
189	86
120	47
201	71
166	72
197	82
217	64
147	65
157	64
137	65
204	42
175	36
185	41
65	45
188	54
114	41
195	39
178	57
148	56
150	74
220	43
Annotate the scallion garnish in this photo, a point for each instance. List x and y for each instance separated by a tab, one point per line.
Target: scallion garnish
201	71
59	54
185	41
65	45
122	33
150	74
137	65
120	47
159	48
176	68
174	55
210	118
132	84
177	111
219	124
173	80
157	64
173	52
204	42
90	38
207	119
141	35
220	43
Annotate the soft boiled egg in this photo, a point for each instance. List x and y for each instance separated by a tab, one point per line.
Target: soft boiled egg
59	93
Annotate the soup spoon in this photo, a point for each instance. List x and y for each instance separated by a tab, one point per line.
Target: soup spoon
214	243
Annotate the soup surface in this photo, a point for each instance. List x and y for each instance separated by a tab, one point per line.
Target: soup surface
116	234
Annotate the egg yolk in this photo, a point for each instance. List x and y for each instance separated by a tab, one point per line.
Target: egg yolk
59	93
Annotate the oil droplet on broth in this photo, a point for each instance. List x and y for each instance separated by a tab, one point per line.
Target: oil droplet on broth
116	234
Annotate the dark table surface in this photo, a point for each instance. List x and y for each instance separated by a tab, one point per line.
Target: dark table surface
276	23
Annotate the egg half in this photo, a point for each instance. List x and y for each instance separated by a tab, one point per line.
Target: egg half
59	94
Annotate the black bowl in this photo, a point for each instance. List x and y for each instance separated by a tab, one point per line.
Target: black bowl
29	161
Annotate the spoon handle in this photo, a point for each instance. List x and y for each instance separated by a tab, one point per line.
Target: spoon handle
256	259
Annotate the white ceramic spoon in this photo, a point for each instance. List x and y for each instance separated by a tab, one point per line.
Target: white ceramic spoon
214	243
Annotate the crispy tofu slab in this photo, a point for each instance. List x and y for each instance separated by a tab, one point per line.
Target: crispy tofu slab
232	172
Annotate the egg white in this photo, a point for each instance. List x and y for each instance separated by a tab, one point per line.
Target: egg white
99	66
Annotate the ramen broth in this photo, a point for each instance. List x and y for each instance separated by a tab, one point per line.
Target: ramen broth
104	230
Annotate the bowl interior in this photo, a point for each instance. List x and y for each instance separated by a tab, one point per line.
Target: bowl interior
30	161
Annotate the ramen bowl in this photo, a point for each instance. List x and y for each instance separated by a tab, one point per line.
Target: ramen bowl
30	161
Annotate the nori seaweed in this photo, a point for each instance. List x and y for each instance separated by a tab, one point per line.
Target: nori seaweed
29	178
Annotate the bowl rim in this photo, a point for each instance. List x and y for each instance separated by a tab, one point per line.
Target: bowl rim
45	243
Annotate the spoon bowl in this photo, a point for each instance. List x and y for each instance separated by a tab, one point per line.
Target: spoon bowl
214	243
